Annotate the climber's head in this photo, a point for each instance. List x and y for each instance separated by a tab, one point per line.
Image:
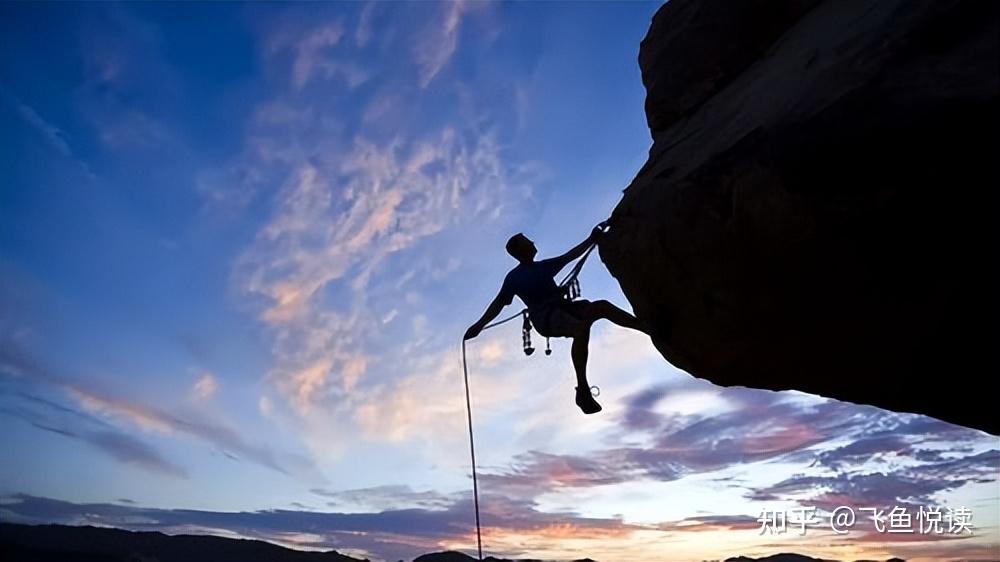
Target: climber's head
522	248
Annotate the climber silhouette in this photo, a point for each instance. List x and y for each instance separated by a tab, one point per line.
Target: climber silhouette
552	314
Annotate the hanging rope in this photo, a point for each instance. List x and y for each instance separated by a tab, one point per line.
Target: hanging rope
472	452
572	290
468	412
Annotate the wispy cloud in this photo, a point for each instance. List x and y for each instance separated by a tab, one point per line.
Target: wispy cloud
130	450
363	32
382	498
52	134
55	137
847	452
315	48
205	387
334	224
67	422
114	411
535	471
438	42
309	52
153	419
131	129
915	484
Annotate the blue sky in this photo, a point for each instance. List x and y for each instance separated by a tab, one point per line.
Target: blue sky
239	244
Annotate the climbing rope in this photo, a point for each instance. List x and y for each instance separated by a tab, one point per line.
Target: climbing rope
472	452
472	440
570	283
571	286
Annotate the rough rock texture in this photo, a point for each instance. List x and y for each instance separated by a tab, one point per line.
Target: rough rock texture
817	210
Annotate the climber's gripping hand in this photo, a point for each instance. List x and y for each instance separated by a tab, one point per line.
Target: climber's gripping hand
473	331
599	231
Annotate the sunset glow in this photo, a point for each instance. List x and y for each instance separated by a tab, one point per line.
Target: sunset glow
239	246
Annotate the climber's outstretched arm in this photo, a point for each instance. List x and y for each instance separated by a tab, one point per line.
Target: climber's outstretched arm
576	251
492	311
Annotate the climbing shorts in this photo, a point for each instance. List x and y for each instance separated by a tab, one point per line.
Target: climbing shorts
558	320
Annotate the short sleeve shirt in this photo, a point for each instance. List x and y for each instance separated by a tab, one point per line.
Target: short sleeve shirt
534	283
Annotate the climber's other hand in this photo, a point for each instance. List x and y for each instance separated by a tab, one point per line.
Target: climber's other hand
473	331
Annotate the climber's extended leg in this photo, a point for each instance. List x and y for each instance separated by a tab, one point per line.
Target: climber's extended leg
579	351
573	320
597	310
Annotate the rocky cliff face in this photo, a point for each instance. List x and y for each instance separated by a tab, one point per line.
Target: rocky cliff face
817	210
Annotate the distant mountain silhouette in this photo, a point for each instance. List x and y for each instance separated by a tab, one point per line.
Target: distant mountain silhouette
783	557
60	543
788	557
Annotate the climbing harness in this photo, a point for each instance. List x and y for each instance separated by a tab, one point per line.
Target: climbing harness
570	291
570	287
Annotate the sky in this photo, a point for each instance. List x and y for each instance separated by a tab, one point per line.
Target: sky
239	244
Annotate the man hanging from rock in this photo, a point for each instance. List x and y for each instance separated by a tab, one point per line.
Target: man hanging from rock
551	313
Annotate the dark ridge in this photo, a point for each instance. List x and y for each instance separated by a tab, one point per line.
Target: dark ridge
61	543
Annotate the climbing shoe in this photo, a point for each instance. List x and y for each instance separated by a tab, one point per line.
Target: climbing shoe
586	401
